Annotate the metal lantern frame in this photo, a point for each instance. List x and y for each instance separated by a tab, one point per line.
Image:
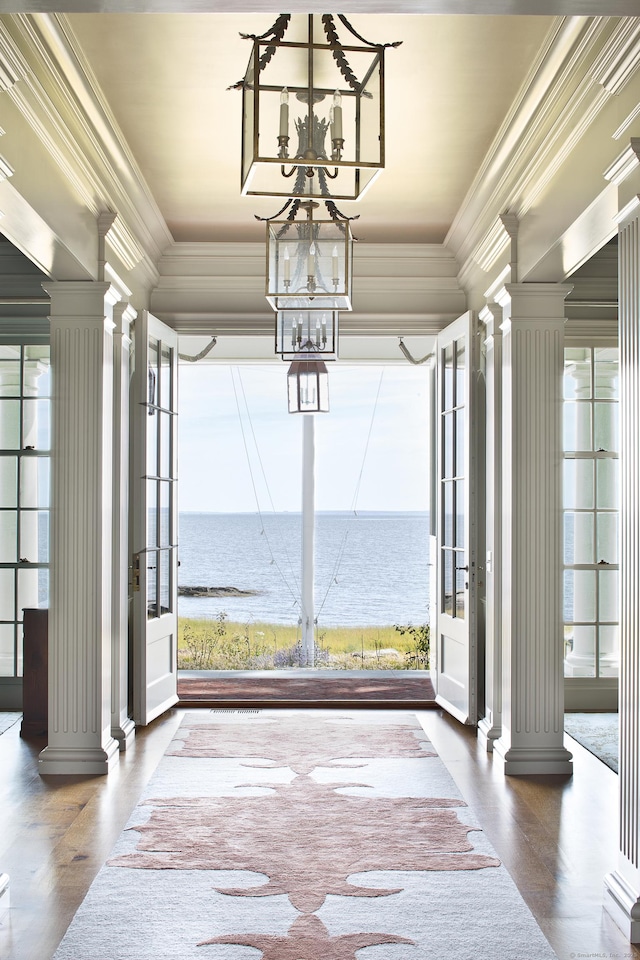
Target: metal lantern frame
313	112
309	261
299	332
308	385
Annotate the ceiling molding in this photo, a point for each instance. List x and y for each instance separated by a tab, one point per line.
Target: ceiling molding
620	58
13	66
625	163
559	102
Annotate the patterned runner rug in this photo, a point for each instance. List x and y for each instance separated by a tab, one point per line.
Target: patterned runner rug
303	835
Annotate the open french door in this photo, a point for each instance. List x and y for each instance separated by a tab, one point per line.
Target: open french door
154	518
453	556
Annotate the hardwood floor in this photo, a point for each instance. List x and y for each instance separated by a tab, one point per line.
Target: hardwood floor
557	837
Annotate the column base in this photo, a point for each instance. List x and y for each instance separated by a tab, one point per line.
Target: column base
488	733
93	761
520	761
4	897
124	734
622	904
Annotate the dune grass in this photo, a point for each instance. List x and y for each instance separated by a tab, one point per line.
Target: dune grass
219	644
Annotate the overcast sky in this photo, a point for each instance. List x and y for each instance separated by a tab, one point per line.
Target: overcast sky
223	408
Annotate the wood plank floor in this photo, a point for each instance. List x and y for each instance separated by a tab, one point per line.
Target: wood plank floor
557	837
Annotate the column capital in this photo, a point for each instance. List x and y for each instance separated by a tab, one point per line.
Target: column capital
79	299
123	316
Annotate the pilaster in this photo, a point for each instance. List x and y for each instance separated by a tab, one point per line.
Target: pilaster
122	726
80	740
490	726
622	885
532	735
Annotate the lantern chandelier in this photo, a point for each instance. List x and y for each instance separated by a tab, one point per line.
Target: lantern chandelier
313	111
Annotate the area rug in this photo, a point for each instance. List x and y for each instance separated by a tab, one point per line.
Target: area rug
597	732
303	835
361	687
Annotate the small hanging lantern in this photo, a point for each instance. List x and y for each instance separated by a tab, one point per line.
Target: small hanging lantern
308	385
301	331
309	262
313	111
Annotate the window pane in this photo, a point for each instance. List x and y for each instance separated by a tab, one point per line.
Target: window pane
7	588
9	424
8	538
606	373
43	588
609	651
7	635
34	482
581	660
606	426
28	590
607	483
607	548
8	481
577	425
580	595
578	484
34	535
36	418
608	595
37	370
579	538
10	376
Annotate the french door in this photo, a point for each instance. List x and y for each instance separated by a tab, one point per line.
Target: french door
453	550
154	518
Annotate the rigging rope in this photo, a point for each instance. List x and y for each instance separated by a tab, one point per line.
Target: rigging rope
296	601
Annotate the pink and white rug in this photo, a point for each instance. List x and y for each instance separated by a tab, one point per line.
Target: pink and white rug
303	835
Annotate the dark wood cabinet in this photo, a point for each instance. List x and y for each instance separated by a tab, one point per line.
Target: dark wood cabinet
35	680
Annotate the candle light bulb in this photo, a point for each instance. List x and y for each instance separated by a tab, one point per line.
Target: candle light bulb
287	265
336	119
334	263
284	113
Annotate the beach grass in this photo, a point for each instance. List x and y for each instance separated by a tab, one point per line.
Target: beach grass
220	644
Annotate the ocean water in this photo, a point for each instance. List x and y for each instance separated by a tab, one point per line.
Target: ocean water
371	569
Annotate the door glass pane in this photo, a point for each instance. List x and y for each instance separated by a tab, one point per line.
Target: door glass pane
448	376
152	444
165	592
578	484
9	424
165	444
152	513
152	373
151	560
607	548
460	464
165	378
8	537
447	440
165	515
447	581
460	513
461	580
448	515
460	373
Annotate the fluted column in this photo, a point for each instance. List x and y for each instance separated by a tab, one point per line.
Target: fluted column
80	741
532	735
122	726
622	885
490	726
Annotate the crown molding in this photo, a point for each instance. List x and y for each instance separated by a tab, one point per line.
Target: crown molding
13	66
566	90
623	165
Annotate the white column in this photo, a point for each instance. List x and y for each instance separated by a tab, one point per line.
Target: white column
308	522
122	726
80	740
622	886
532	735
490	726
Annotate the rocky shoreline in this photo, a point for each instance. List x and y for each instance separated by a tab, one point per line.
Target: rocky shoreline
216	592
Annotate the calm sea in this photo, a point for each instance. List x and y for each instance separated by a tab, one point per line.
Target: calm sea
370	568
